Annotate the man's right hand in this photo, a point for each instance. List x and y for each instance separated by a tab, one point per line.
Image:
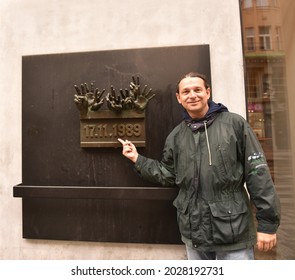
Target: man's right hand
129	150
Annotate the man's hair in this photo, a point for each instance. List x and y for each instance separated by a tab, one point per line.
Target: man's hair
193	75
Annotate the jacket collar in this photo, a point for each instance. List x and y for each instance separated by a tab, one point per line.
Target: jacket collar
196	124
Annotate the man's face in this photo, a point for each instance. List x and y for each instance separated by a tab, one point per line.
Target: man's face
193	96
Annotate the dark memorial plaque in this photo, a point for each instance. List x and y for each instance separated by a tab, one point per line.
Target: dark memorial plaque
76	185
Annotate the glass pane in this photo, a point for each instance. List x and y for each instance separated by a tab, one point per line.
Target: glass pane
249	31
261	3
269	88
264	30
248	4
250	42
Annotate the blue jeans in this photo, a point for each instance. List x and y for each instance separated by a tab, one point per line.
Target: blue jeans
243	254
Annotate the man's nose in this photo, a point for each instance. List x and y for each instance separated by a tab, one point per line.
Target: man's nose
192	93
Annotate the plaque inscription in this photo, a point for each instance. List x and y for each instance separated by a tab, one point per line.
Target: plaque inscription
103	128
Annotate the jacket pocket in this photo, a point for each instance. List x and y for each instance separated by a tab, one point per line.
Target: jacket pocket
181	203
230	221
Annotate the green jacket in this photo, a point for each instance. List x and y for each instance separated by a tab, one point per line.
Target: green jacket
211	167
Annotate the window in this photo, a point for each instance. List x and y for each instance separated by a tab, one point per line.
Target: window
253	83
250	39
248	4
264	38
262	3
270	98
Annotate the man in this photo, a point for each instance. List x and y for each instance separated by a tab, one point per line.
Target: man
209	156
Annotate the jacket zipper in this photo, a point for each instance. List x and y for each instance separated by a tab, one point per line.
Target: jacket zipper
208	144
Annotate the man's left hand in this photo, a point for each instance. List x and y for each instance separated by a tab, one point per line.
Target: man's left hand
265	241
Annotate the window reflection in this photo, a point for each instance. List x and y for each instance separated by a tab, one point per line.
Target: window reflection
248	4
262	3
264	38
265	25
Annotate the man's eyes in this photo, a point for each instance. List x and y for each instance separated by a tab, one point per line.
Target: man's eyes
195	90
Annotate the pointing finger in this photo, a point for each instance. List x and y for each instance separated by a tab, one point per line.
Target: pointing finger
121	141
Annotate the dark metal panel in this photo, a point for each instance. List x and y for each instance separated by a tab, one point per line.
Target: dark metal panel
129	221
53	162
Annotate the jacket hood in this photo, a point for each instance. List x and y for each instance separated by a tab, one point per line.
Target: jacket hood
196	124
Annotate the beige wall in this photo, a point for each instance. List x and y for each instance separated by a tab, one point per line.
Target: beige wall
29	27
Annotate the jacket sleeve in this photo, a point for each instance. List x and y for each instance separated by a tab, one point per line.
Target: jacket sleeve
259	183
161	172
